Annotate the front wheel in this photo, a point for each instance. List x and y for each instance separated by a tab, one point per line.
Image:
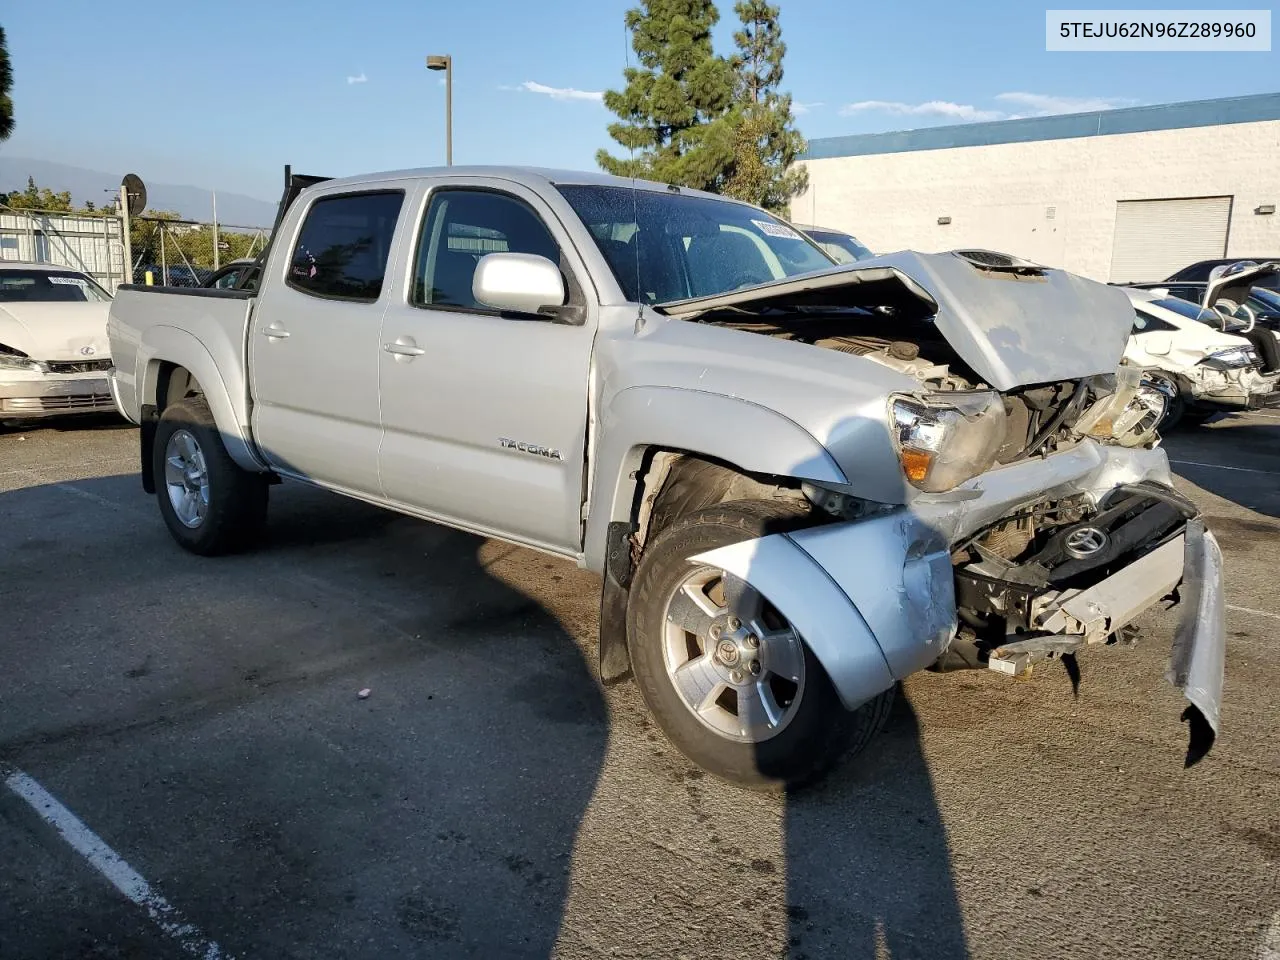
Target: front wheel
725	674
209	503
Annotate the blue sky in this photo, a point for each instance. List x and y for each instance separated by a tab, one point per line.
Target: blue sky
224	95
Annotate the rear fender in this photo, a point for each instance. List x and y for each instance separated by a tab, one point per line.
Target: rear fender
873	599
164	344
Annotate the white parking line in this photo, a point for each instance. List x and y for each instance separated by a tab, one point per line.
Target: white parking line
110	864
1223	466
1256	613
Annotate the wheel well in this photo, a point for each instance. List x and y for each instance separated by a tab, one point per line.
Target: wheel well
174	383
670	484
673	484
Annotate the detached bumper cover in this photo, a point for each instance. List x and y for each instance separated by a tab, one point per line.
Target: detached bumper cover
1196	664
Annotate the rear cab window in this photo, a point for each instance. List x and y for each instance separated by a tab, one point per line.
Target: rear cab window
344	246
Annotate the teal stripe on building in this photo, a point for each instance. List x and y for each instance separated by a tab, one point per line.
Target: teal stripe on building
1101	123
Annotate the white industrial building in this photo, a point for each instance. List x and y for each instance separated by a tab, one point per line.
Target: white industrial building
1118	195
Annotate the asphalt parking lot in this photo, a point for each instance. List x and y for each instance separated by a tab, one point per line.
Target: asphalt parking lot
200	719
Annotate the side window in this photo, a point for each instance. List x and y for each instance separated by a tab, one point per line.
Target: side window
461	227
344	246
1144	322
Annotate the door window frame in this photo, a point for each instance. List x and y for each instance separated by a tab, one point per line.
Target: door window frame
388	269
575	295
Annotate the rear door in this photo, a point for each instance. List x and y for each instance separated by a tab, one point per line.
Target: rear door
313	341
484	414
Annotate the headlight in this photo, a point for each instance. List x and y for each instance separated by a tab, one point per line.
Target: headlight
945	439
10	362
1231	359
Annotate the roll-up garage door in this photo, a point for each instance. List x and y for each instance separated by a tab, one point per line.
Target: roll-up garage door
1155	238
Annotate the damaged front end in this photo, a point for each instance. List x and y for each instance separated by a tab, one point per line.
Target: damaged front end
1059	577
1036	516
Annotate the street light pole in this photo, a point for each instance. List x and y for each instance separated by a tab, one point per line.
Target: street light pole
445	62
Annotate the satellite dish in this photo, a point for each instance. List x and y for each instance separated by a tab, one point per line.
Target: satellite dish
136	191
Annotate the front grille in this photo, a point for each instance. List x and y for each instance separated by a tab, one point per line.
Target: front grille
1134	520
78	366
83	401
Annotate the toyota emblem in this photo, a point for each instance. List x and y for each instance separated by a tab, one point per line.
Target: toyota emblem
87	351
1085	542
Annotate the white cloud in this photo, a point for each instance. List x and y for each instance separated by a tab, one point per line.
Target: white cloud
1030	104
557	93
1043	105
440	82
799	108
963	112
360	79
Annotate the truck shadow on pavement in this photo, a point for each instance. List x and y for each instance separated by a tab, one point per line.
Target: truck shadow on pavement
154	691
868	862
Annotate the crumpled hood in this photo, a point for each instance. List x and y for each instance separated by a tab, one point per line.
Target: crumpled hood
56	331
1015	323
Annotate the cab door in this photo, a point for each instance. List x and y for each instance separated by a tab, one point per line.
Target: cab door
484	414
314	347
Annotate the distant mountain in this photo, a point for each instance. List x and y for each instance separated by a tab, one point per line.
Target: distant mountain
193	203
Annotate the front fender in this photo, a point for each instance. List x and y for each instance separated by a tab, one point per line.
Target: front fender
165	344
873	599
751	437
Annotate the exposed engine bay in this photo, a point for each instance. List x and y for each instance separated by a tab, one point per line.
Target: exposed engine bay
1014	578
1038	419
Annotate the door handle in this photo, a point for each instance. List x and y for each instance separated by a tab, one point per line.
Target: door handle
404	349
273	331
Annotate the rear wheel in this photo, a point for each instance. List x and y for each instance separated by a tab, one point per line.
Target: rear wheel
209	503
725	674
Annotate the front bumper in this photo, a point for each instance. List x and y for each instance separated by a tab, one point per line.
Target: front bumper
53	395
1245	388
876	599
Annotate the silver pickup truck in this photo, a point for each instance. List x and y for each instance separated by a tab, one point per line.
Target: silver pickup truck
800	482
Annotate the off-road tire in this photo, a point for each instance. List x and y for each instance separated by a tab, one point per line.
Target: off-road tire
820	733
237	509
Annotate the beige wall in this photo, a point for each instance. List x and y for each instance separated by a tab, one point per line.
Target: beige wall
997	196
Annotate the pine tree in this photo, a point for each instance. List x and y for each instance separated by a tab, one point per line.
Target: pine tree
6	84
676	111
767	142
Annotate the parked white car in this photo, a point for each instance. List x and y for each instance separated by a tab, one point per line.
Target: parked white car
1204	369
54	353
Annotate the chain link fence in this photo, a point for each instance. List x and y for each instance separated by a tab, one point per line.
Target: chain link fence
187	253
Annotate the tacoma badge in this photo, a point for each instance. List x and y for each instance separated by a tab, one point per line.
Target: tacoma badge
533	448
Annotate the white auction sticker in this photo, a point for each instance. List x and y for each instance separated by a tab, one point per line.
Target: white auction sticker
771	229
68	281
1171	31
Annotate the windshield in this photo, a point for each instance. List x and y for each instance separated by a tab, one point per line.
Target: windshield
664	247
840	246
49	286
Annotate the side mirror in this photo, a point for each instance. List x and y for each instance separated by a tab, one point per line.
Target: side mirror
1159	346
521	282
